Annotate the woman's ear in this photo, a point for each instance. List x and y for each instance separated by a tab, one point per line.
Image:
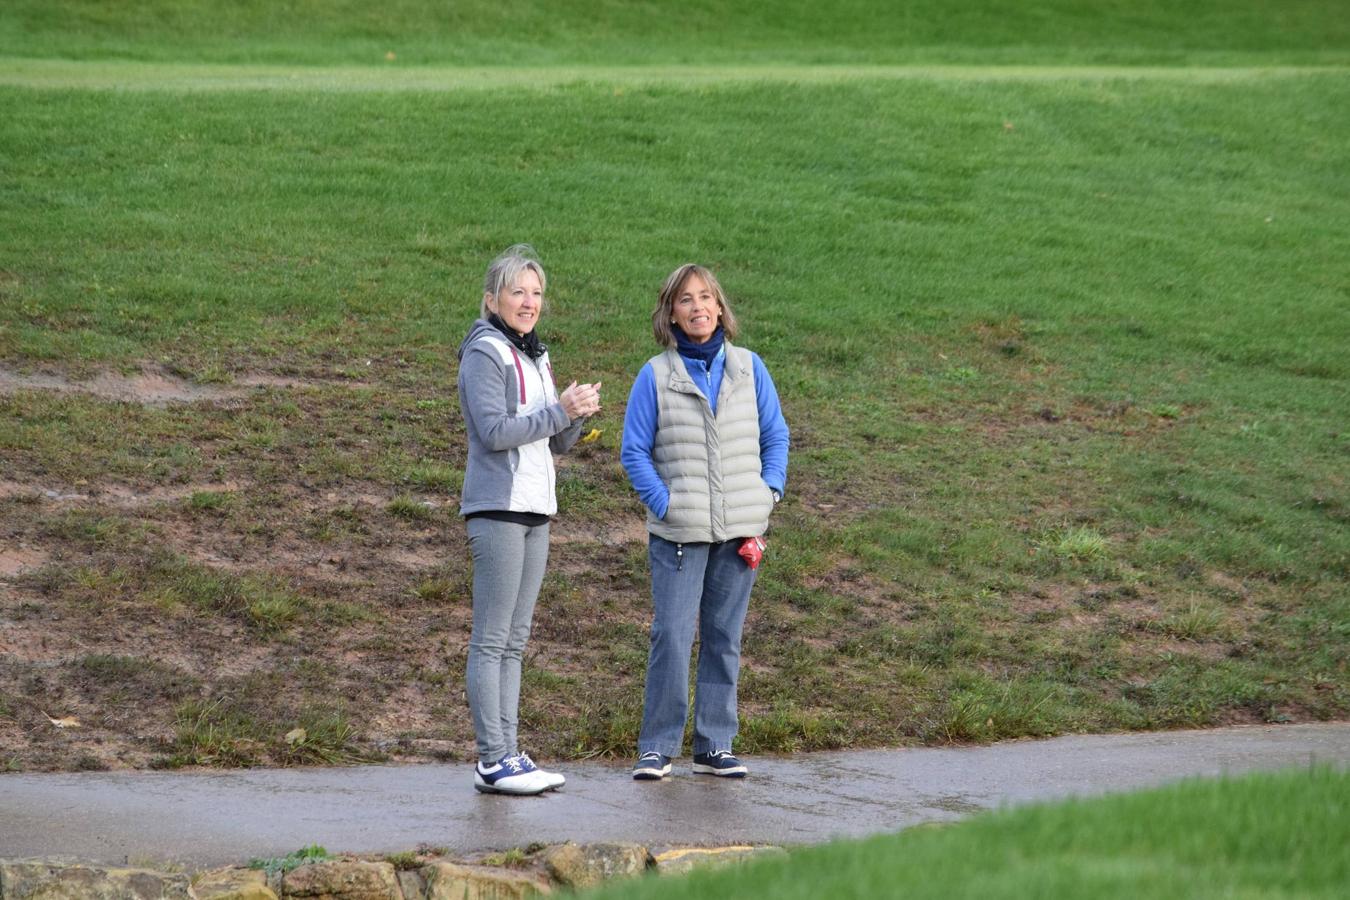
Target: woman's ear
490	301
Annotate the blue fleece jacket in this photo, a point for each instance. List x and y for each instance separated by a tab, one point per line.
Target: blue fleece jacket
640	421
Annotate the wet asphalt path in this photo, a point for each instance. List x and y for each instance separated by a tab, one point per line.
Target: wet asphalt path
199	819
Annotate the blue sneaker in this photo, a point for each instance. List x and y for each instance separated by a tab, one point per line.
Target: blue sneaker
720	763
651	766
509	775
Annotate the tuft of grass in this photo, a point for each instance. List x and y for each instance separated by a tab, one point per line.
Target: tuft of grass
211	733
431	475
274	865
514	858
982	710
438	589
234	732
343	612
87	762
405	507
211	501
269	608
1081	544
261	601
403	861
320	739
1195	622
786	729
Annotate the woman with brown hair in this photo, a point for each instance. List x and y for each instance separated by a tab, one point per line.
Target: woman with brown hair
706	447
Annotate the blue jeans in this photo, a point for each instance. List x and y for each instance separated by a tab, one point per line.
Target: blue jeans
703	588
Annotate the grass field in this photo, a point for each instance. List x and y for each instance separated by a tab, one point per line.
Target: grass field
1058	310
542	33
1270	835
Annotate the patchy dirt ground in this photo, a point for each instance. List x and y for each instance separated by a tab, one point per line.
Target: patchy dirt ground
130	628
272	571
150	384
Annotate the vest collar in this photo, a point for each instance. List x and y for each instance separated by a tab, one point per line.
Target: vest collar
732	372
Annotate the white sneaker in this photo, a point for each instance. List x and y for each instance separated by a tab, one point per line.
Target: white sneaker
509	775
554	780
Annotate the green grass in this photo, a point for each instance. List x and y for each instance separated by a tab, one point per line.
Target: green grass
236	732
1265	835
258	600
539	33
406	507
174	585
404	860
210	501
1055	297
314	853
1083	544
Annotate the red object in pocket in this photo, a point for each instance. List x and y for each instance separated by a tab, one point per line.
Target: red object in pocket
752	551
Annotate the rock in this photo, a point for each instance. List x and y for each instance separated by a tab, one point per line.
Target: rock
451	881
233	884
412	883
45	880
581	867
679	861
342	880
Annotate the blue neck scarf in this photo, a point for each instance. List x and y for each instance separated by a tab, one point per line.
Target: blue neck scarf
706	351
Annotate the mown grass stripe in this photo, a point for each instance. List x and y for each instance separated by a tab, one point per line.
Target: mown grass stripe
142	76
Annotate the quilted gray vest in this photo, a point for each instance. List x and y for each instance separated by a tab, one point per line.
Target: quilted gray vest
711	462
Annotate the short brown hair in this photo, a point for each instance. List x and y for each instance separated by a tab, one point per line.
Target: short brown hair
665	303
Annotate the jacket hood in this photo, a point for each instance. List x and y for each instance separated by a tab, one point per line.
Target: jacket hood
476	331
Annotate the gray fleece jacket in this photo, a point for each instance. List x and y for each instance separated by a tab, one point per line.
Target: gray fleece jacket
515	425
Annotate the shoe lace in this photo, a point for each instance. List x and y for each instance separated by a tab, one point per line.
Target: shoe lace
514	764
650	755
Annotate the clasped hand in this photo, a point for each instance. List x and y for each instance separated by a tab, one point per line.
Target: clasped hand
580	400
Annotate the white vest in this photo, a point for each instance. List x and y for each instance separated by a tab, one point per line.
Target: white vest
710	462
533	479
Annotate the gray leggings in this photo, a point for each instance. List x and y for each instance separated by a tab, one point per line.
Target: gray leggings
508	568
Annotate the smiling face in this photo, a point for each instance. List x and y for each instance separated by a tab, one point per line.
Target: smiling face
519	305
695	310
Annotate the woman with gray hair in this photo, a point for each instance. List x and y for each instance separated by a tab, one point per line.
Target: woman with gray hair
516	421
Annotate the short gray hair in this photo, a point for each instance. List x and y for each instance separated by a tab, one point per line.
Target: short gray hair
506	269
